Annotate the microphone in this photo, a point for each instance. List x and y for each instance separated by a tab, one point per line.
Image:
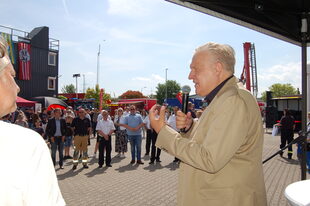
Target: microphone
185	93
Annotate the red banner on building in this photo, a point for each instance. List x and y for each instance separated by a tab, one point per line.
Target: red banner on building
24	72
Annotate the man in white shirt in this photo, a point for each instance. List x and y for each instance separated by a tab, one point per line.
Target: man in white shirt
147	125
172	119
105	128
28	176
172	123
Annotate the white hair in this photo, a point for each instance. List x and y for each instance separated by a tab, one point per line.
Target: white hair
222	52
4	59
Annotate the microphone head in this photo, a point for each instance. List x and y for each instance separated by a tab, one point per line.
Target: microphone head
186	89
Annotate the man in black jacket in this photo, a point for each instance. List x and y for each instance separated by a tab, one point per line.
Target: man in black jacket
56	130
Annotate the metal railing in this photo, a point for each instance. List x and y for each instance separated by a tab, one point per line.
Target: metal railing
20	35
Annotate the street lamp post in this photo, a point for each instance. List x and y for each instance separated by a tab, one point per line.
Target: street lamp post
142	89
166	86
76	83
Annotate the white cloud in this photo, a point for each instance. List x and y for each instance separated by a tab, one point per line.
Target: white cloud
121	34
122	63
155	78
158	78
131	8
280	73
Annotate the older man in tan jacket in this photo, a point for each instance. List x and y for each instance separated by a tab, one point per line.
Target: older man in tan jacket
221	153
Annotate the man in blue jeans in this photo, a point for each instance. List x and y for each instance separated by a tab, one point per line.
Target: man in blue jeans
133	124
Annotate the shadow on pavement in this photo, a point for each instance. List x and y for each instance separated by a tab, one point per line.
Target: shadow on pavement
146	157
289	161
116	159
128	167
69	173
172	166
96	171
153	167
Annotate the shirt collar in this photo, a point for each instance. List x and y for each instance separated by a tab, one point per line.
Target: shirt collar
214	92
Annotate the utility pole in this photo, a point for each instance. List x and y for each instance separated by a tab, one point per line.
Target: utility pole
166	86
76	83
98	62
83	83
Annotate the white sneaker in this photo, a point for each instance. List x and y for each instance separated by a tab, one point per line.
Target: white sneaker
122	156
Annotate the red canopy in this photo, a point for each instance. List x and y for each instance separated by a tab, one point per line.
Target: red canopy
21	102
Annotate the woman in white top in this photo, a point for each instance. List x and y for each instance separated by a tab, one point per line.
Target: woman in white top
120	134
28	176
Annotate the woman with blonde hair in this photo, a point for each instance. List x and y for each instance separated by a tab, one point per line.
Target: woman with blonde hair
28	176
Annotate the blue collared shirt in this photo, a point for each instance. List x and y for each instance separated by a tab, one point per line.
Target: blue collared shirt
133	120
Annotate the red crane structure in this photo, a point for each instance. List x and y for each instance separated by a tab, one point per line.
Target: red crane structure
249	73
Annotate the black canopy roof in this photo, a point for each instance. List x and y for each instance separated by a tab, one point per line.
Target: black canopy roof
278	18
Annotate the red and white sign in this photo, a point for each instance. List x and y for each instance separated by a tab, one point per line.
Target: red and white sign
24	72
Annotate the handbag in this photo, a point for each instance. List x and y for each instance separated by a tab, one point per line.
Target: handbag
275	131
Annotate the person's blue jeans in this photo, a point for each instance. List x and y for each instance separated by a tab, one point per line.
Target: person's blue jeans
135	144
58	144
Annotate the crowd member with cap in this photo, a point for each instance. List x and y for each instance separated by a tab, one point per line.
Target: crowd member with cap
28	176
82	130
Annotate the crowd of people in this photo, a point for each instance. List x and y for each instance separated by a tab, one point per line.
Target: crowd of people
68	132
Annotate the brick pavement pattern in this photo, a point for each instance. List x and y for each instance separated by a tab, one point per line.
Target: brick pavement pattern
124	184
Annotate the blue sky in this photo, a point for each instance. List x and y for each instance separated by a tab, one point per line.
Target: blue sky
140	39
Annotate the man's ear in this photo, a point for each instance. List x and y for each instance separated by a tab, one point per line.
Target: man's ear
219	67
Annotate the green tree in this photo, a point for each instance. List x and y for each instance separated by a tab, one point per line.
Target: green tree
94	93
172	89
279	90
68	89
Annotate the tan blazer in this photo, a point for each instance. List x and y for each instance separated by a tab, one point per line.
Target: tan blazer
222	153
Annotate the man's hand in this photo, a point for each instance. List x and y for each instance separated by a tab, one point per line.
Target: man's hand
184	120
52	139
106	137
157	123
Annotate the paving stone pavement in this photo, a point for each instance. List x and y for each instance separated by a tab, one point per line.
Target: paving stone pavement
124	184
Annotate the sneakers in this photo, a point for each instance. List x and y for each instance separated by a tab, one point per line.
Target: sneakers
122	156
109	165
85	167
61	167
74	167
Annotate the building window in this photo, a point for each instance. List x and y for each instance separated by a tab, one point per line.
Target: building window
51	83
52	58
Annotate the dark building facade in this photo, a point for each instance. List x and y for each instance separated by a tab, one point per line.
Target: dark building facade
44	65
